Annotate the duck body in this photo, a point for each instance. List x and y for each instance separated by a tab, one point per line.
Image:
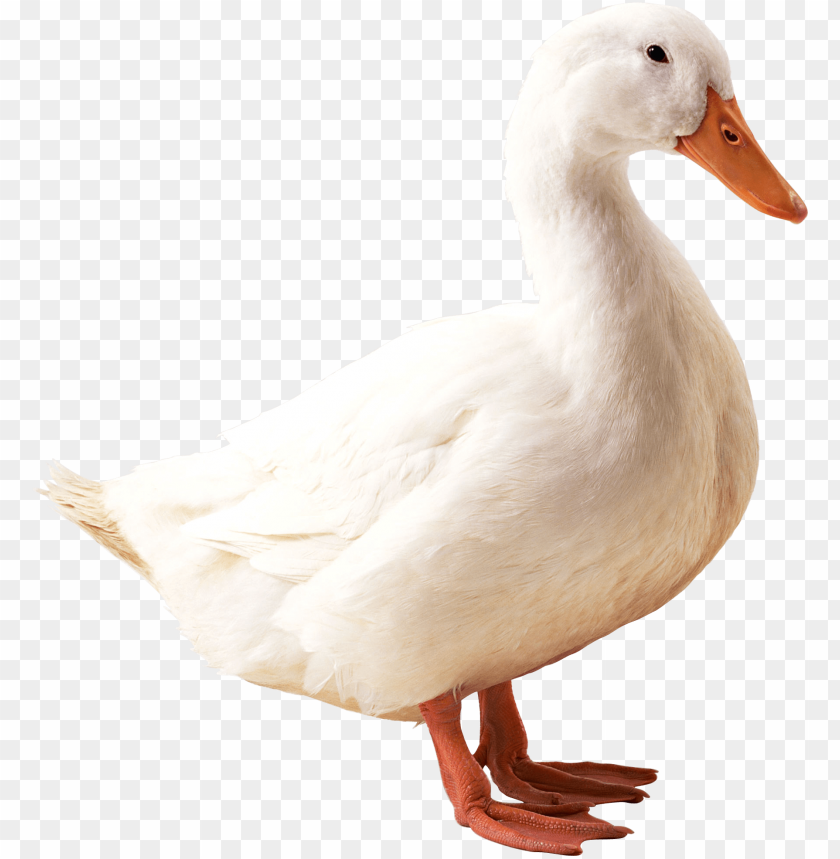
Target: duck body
475	499
490	493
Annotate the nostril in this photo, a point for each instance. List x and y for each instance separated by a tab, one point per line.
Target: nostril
730	135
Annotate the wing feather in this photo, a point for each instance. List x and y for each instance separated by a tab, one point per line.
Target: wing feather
348	450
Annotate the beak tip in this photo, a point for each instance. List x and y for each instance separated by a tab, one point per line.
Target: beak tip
800	208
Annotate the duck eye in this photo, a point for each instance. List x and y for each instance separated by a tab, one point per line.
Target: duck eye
657	54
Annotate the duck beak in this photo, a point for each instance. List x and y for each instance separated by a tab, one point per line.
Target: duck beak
725	146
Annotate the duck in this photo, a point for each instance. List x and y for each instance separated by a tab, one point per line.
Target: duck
489	493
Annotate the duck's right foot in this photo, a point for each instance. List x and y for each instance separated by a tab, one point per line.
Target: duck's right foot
540	828
503	749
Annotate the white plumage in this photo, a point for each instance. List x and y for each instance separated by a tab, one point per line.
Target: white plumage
489	492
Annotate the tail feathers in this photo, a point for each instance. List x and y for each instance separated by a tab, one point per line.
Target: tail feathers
82	501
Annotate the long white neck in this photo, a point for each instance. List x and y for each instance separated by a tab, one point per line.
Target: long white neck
586	238
612	287
609	276
587	241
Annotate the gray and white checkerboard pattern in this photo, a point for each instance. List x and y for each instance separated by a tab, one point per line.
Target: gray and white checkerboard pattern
205	209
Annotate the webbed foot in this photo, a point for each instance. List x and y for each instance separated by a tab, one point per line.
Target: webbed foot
503	749
547	827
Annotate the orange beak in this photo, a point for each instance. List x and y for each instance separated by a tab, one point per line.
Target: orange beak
725	146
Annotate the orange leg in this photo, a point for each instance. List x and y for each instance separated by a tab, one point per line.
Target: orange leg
541	828
503	749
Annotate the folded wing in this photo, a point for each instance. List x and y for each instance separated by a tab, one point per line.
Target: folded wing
349	449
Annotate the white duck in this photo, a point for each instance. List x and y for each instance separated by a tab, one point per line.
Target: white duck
490	493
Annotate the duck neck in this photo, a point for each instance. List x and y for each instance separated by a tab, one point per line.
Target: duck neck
588	243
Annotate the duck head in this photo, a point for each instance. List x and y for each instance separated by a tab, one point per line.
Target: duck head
630	78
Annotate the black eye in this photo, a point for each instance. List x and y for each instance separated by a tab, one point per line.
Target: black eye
657	54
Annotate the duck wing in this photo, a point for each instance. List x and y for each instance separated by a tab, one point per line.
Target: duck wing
349	449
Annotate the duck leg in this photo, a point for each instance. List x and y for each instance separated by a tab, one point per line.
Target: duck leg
558	828
503	749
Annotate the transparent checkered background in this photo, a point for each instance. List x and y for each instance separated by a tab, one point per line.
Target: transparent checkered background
206	209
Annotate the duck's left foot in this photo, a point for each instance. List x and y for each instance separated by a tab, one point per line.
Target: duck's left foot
503	749
540	828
